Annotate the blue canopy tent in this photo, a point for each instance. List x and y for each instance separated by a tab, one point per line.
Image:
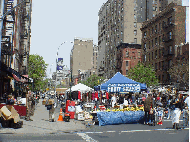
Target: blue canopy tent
143	86
97	88
120	83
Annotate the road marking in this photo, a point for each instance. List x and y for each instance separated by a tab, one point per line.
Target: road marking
110	131
171	120
93	132
86	137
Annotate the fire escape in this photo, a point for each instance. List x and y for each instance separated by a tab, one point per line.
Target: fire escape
7	35
24	35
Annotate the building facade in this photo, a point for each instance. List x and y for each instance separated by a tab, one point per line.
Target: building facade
81	57
161	35
15	45
120	22
128	56
95	59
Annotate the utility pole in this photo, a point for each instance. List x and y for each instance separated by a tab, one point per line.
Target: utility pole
70	84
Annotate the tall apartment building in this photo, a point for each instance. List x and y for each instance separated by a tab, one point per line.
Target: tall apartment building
161	37
120	22
15	44
81	57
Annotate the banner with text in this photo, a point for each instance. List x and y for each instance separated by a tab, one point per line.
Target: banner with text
60	64
123	88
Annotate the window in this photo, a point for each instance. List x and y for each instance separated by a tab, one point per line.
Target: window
159	65
170	35
170	49
152	55
155	66
156	54
159	40
135	24
126	72
162	65
152	30
156	42
135	40
156	29
127	54
152	43
145	58
145	47
149	56
170	20
162	51
169	63
144	34
135	32
149	44
160	26
139	54
127	63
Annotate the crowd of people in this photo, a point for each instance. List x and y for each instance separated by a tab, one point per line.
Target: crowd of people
156	106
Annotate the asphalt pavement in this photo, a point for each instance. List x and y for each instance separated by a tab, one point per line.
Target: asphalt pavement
42	130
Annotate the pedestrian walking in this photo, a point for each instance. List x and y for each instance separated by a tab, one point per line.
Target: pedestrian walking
177	112
186	112
28	106
160	113
169	106
147	107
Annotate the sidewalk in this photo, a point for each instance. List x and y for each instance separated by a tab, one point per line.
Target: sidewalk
41	124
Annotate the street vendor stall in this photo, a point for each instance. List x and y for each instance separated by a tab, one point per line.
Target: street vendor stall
120	83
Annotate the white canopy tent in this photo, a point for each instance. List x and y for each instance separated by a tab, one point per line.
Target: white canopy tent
80	87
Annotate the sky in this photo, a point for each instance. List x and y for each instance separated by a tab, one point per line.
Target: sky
60	21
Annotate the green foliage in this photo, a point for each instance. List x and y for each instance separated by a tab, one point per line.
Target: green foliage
93	80
143	74
37	71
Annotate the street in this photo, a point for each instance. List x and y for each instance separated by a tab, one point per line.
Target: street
42	130
104	136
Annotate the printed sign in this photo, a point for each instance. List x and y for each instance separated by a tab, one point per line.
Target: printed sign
123	88
60	64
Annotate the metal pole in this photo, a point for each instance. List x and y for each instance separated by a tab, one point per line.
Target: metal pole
70	84
55	77
1	28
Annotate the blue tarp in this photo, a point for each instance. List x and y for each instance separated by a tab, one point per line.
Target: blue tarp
119	117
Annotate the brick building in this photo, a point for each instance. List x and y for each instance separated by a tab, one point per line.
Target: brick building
128	56
160	37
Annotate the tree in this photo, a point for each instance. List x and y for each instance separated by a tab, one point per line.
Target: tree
179	71
143	74
93	80
37	71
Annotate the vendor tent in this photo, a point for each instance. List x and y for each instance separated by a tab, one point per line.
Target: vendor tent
80	87
120	83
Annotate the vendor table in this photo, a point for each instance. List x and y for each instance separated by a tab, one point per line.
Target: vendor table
21	109
119	117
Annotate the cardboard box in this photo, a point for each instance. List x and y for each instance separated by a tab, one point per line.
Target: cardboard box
80	116
9	112
5	112
50	101
44	102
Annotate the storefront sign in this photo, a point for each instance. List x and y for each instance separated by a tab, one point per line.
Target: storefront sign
123	88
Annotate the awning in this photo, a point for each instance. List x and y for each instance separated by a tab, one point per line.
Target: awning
24	78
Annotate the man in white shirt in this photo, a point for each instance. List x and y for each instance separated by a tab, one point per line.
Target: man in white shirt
113	100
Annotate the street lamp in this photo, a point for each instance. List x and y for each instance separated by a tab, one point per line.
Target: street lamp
57	65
